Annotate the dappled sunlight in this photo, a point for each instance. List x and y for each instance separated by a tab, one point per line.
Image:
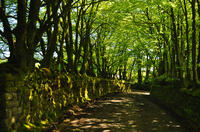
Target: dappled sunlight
116	101
85	123
110	125
86	49
56	131
93	106
155	121
13	120
106	131
140	92
130	122
106	103
117	114
133	126
154	129
177	126
122	112
66	120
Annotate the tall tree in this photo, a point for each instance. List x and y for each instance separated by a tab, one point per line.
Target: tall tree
194	57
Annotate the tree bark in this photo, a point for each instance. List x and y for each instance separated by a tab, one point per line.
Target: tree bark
194	58
32	30
176	45
147	69
139	69
86	43
90	62
21	36
52	36
188	43
125	72
198	59
70	44
77	53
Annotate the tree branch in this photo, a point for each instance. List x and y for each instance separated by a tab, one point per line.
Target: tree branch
6	25
89	4
2	33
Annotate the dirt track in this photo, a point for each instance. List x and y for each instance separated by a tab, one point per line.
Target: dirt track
130	112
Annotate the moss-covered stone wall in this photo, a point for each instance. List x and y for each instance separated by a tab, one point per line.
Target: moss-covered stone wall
173	96
34	103
10	103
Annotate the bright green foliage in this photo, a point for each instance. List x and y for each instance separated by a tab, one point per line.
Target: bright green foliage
117	38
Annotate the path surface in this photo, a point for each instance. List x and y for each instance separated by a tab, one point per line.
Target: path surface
130	112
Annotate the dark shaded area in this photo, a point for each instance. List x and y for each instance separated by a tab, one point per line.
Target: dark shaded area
178	99
143	86
2	102
183	121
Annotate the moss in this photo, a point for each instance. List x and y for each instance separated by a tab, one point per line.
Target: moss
48	100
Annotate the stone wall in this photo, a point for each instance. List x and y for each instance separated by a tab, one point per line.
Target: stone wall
33	105
11	109
2	102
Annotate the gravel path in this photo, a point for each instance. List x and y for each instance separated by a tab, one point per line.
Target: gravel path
131	112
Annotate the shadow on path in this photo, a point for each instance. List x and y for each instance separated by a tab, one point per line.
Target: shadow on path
130	112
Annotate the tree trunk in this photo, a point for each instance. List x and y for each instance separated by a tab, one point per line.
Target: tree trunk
120	73
124	72
86	43
70	44
176	44
139	69
32	30
52	37
187	40
147	69
90	62
21	34
182	51
198	59
98	54
60	53
194	58
85	48
77	53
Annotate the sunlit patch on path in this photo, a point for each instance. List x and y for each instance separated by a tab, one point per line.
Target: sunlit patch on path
130	112
140	92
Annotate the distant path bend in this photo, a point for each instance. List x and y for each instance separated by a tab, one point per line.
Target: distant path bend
130	112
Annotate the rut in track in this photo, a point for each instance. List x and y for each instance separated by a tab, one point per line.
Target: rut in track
131	112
